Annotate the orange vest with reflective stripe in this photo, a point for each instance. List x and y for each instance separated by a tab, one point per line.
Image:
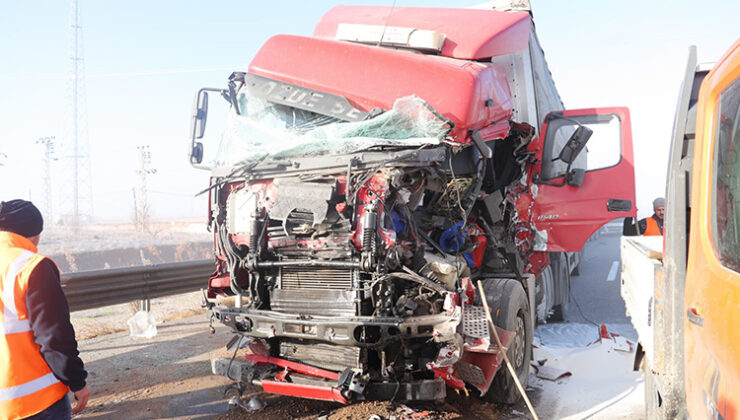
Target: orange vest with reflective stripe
27	385
652	228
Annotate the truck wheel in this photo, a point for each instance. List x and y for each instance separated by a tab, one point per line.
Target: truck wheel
577	269
545	296
562	285
510	311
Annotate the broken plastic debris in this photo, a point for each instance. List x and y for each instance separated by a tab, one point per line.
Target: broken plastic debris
142	324
622	344
551	373
253	404
619	343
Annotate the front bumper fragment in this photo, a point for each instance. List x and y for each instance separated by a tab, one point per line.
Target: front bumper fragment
362	331
327	390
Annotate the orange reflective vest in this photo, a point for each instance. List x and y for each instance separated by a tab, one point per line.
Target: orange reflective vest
652	228
27	384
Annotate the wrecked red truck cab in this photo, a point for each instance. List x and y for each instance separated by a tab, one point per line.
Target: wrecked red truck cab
365	177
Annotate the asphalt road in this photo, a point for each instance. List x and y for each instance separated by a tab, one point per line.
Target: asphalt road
597	289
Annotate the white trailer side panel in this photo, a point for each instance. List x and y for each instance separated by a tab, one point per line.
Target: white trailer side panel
639	273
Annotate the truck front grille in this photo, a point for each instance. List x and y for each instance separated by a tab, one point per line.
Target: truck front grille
326	356
314	278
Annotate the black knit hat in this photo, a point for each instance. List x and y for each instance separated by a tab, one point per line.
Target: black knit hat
21	217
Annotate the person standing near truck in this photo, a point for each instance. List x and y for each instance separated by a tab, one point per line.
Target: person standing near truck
39	359
653	225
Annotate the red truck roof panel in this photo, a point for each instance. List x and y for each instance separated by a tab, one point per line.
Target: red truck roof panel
472	34
472	95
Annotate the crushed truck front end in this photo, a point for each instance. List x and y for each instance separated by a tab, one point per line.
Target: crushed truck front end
363	183
348	225
345	260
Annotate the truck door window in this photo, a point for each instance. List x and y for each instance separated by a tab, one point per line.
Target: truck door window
602	151
726	174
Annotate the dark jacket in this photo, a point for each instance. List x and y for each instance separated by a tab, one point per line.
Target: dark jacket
52	330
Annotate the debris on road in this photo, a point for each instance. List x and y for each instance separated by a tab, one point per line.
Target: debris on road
254	403
142	325
619	342
551	373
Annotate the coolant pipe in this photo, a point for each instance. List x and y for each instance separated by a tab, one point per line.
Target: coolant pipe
308	263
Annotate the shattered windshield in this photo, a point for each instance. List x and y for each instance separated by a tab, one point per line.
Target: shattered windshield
267	130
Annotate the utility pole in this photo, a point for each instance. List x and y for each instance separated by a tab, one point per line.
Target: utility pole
48	144
141	200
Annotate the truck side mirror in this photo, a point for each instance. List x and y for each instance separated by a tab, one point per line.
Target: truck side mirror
575	144
200	113
575	177
196	154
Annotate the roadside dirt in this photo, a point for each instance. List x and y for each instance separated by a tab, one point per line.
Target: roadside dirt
284	408
97	322
168	377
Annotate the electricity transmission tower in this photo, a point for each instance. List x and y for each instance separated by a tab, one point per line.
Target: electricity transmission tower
48	144
141	200
77	203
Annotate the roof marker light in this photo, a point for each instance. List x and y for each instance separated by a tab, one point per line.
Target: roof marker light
391	36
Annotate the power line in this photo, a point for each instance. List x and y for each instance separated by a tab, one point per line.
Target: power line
156	72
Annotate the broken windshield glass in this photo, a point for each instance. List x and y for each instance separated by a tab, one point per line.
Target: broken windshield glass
266	130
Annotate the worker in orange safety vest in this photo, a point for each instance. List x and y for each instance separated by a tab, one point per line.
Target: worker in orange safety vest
39	360
653	225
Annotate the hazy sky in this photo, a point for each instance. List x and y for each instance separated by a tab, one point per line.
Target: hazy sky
145	60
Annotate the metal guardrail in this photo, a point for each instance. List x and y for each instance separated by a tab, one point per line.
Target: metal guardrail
94	289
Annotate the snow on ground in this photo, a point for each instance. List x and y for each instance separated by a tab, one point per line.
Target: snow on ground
102	246
603	384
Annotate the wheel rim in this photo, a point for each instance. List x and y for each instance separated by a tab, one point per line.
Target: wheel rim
518	345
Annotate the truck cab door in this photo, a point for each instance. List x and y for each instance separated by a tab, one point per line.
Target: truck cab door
571	200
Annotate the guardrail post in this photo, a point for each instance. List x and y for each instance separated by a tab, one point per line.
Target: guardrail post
146	305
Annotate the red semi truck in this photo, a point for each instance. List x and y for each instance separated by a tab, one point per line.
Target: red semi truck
368	175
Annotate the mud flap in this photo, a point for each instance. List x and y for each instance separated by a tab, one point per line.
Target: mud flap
482	359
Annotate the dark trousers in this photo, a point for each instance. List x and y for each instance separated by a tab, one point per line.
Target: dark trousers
60	410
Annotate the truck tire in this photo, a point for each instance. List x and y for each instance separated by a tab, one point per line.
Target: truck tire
510	311
562	288
545	296
577	269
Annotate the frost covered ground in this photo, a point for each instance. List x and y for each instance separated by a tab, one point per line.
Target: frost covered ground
101	246
602	384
